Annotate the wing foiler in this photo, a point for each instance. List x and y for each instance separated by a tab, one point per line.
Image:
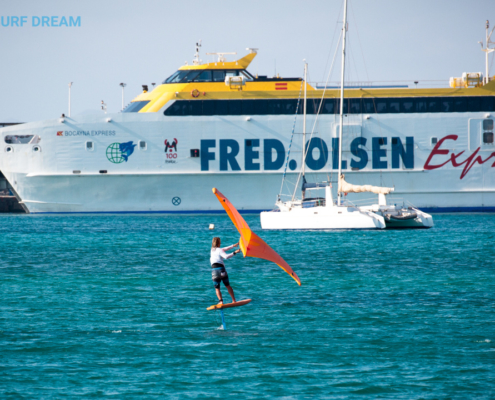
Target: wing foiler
251	244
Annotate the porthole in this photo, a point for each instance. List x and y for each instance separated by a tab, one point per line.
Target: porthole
488	137
434	141
9	149
90	146
36	149
142	145
488	125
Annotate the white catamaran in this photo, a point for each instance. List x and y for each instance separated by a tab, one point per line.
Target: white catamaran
324	213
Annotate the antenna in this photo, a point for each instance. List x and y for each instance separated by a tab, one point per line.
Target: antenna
221	57
196	60
487	50
70	85
252	49
123	86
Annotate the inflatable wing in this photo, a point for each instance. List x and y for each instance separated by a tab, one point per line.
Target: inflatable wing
251	244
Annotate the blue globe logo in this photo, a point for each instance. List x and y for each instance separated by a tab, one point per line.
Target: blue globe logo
114	154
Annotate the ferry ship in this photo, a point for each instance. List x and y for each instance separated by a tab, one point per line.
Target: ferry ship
218	125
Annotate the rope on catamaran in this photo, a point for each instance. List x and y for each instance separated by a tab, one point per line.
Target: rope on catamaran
291	137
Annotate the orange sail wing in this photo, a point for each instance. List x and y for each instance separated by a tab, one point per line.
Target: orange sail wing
251	244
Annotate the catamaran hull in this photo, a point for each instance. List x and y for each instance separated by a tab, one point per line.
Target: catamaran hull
321	218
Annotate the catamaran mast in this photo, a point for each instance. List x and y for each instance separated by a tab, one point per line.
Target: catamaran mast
339	194
304	120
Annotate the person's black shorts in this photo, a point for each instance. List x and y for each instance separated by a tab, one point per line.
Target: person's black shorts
219	274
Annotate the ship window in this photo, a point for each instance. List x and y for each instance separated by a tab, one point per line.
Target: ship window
434	141
249	142
368	106
488	125
18	139
36	149
248	107
327	108
261	107
142	145
407	106
218	76
232	73
204	76
447	105
196	107
9	149
247	75
488	103
90	146
421	106
395	141
473	104
135	106
381	106
194	153
460	105
222	107
190	77
235	107
382	141
209	107
488	137
394	106
355	106
176	77
432	105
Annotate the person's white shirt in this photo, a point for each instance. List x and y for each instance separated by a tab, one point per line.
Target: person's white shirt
218	255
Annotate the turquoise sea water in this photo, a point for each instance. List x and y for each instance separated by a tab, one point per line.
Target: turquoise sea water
114	307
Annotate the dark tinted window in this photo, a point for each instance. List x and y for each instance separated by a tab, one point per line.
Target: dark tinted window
368	106
433	105
190	77
381	106
394	106
488	125
177	77
355	106
474	104
261	107
330	106
407	106
208	107
196	107
218	76
248	107
235	107
421	106
204	76
222	107
488	103
460	105
446	105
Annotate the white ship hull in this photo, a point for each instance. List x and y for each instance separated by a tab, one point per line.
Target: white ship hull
63	176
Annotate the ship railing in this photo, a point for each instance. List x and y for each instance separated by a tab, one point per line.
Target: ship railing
417	84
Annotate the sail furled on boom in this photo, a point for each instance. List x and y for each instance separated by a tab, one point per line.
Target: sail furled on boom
345	187
250	243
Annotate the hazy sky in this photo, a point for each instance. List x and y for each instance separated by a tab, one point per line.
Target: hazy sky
139	42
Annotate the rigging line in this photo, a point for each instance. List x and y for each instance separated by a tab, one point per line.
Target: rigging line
333	37
359	41
321	103
291	137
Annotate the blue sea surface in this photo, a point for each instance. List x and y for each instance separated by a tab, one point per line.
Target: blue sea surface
114	306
